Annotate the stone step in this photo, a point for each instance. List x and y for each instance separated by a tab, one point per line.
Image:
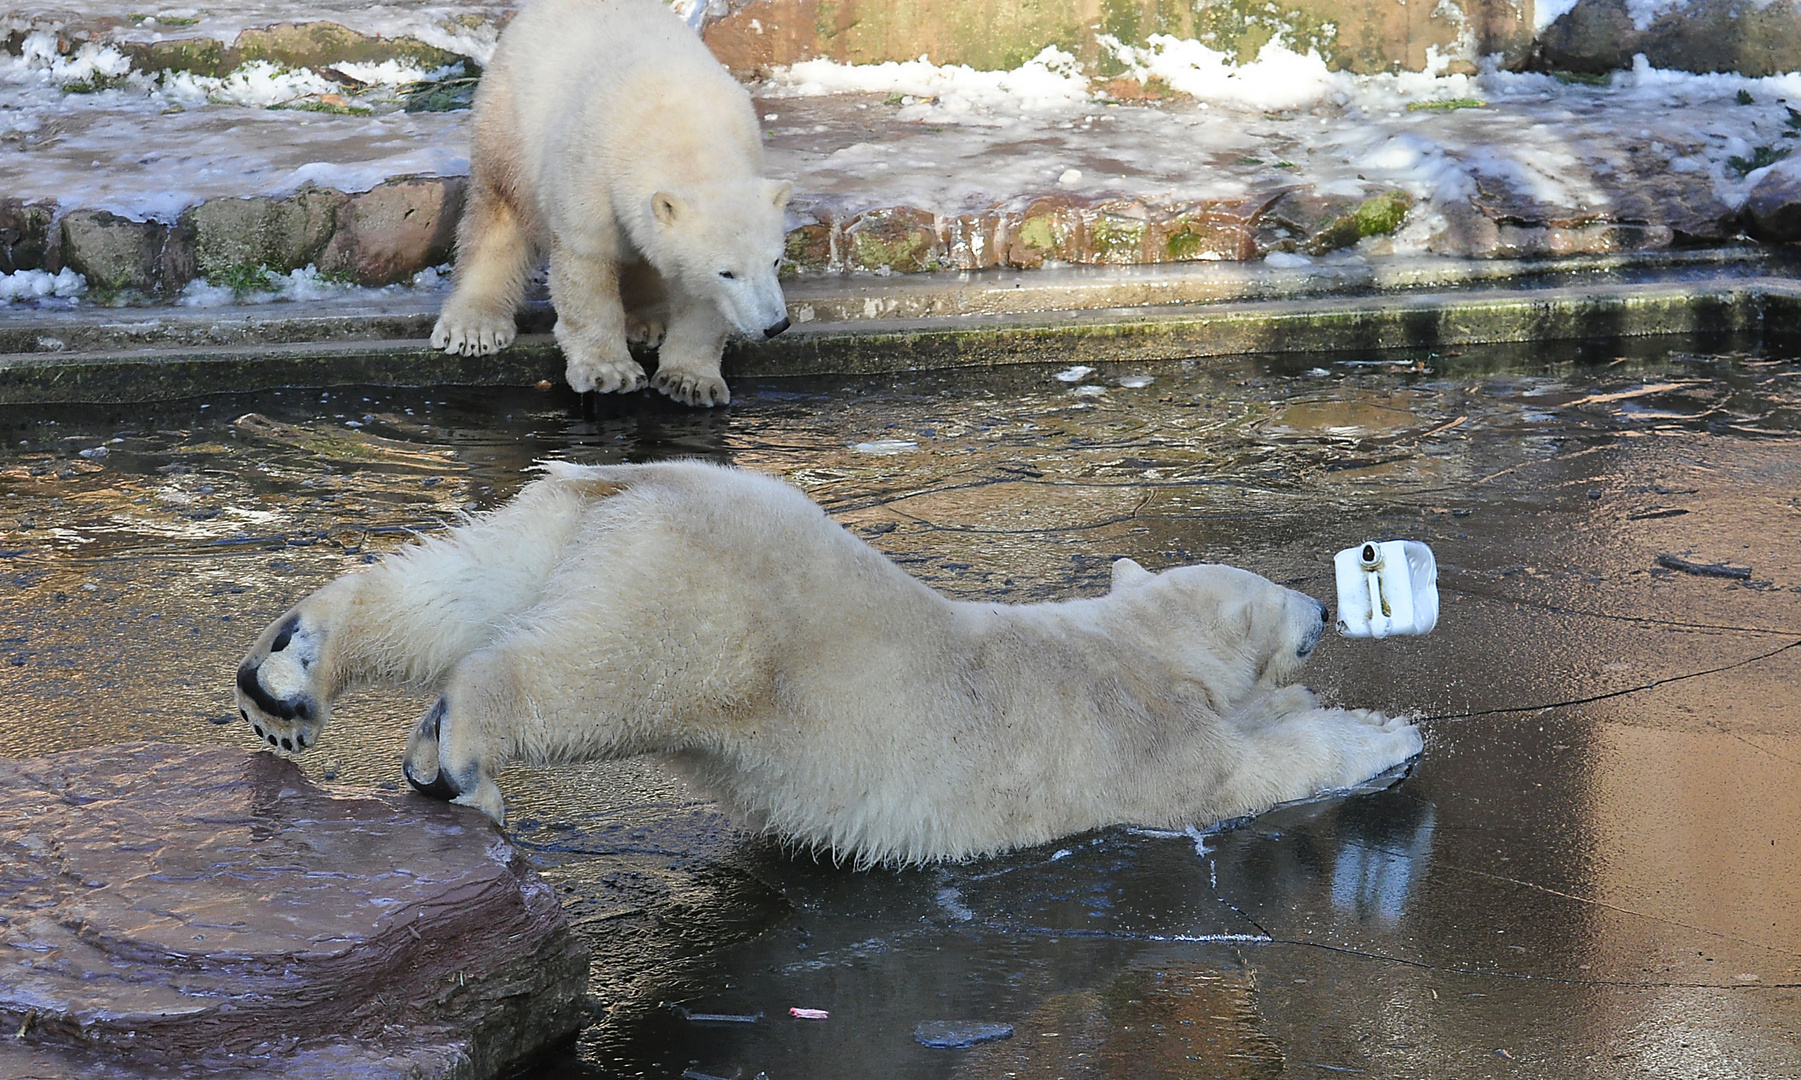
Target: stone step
175	911
1675	301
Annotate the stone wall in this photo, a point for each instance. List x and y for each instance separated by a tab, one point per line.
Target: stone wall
1353	35
377	237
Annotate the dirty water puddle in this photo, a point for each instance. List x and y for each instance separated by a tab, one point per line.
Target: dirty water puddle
1591	871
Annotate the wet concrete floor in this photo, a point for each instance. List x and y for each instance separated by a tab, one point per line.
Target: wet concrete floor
1593	871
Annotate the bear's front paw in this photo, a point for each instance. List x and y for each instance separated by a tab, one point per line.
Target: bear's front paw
605	376
473	333
646	330
691	389
276	685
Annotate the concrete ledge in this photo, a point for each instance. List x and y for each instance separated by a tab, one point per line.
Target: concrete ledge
186	363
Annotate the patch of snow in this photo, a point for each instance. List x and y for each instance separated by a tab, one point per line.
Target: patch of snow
1286	260
1546	12
1073	374
66	284
1136	382
397	72
1279	78
1052	81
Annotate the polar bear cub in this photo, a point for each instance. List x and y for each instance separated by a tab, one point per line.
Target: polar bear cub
719	619
607	134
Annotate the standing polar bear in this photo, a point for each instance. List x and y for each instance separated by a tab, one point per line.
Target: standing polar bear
719	619
606	133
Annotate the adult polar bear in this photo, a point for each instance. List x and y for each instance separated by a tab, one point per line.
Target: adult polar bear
720	619
606	132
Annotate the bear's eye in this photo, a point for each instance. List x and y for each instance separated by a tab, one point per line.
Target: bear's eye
728	275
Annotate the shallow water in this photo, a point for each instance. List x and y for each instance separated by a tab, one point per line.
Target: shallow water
1592	871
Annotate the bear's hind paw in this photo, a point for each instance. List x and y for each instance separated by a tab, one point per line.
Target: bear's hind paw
473	335
644	331
275	688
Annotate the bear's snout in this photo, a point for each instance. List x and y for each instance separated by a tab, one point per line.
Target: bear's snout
1314	632
776	328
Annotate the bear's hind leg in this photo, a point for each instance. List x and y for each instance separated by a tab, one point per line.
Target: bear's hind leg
688	362
444	761
495	253
409	619
590	325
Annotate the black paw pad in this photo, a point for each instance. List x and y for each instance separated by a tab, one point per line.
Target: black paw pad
285	633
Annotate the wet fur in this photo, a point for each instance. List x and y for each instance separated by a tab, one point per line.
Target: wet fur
719	619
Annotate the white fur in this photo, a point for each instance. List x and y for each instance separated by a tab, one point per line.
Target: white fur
607	135
720	619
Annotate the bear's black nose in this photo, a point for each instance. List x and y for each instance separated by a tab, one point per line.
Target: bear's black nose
771	331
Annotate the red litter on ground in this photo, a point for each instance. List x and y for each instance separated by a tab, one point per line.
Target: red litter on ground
808	1014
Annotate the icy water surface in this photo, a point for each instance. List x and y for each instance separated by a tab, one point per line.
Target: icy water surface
1592	872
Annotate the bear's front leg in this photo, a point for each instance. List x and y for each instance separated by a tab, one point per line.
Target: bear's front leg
591	323
688	362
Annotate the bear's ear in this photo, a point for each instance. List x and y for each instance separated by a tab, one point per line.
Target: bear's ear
667	207
780	191
1127	573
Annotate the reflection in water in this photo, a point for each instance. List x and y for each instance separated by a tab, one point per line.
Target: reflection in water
1561	885
1381	859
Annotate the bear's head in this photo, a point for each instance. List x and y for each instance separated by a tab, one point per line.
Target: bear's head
1268	631
724	243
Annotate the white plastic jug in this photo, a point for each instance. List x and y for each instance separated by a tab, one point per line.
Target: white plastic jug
1386	588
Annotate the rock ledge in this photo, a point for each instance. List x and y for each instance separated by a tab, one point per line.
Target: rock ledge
170	911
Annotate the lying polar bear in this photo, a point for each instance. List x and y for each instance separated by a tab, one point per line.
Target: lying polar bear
719	619
608	136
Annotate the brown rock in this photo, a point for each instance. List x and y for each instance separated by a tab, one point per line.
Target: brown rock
1773	212
1115	233
971	241
392	232
1216	229
809	248
1051	228
172	910
24	235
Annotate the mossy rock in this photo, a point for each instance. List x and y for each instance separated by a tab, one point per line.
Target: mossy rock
280	234
320	44
901	239
1378	216
200	56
